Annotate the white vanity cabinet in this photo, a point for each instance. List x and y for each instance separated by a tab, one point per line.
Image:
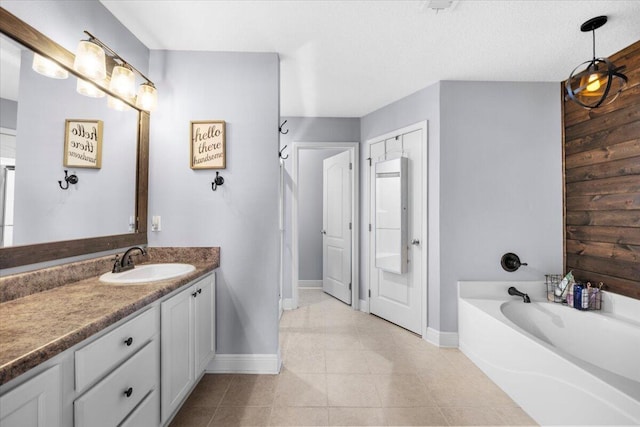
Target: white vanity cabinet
126	363
187	341
35	403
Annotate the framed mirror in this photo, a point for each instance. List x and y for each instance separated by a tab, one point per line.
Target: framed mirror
110	210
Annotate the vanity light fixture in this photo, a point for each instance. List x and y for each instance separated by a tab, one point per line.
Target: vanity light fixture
122	80
47	67
596	82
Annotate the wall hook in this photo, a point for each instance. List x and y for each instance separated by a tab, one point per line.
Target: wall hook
281	126
280	153
69	179
218	180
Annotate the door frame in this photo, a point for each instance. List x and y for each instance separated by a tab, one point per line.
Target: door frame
354	149
424	236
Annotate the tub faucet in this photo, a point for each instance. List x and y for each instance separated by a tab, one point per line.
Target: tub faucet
513	291
126	263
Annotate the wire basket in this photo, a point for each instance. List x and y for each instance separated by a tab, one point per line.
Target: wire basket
590	297
554	292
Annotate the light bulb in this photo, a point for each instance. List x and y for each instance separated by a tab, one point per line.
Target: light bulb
123	82
47	67
85	88
594	83
116	104
147	97
90	60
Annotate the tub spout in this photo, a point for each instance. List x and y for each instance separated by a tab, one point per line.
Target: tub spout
513	291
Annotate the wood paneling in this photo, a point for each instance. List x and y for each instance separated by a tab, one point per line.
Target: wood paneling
602	185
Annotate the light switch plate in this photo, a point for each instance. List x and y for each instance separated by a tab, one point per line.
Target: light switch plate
156	224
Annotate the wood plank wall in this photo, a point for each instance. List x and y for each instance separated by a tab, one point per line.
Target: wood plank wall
602	185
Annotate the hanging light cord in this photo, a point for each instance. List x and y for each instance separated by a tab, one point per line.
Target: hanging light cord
115	56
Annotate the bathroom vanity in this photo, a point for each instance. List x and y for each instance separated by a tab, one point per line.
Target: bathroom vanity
88	353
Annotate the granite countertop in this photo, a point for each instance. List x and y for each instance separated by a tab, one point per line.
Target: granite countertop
37	327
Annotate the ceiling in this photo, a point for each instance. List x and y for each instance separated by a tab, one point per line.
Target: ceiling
349	58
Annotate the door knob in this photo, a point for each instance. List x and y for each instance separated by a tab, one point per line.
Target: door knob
415	242
323	232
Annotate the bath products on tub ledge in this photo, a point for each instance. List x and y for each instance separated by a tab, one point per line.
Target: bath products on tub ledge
563	287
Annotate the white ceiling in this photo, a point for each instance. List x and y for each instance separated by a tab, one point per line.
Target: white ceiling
348	58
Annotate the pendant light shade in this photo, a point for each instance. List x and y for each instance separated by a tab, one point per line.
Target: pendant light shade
47	67
90	60
597	82
123	82
85	88
147	97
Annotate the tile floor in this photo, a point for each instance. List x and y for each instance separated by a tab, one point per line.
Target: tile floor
347	368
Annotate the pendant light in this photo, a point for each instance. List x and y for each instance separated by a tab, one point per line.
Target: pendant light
47	67
596	82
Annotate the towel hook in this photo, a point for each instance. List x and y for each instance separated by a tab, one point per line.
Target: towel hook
69	179
280	153
218	180
281	126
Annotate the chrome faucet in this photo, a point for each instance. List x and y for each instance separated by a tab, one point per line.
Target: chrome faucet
514	291
126	263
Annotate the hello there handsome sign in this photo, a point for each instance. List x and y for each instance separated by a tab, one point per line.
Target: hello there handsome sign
83	143
208	145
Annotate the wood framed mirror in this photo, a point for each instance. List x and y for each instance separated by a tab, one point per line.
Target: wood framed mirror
15	256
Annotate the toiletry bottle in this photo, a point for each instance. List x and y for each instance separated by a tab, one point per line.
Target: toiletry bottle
577	296
570	295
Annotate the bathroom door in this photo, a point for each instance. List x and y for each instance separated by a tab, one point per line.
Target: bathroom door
336	226
398	297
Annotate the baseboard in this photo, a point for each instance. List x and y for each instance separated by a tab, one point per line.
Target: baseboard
442	339
245	364
310	284
287	304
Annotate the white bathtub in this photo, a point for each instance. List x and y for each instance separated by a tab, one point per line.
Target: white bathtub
562	366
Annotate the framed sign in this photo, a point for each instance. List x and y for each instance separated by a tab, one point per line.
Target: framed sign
83	143
208	145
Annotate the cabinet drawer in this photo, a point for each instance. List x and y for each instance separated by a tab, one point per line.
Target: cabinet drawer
107	404
102	355
147	414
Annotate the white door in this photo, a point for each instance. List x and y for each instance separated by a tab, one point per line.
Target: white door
336	226
398	297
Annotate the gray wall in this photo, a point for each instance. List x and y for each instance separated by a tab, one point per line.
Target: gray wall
495	182
417	107
307	129
310	212
501	184
8	113
242	215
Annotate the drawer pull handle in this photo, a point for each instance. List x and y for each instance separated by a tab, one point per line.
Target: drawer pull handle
195	294
128	341
128	392
200	290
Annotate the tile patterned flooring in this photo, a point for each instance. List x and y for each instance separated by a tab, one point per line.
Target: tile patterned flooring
348	368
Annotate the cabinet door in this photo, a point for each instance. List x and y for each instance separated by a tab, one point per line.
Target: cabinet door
205	317
177	344
35	403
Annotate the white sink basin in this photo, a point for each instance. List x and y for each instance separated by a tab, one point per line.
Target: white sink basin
146	273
